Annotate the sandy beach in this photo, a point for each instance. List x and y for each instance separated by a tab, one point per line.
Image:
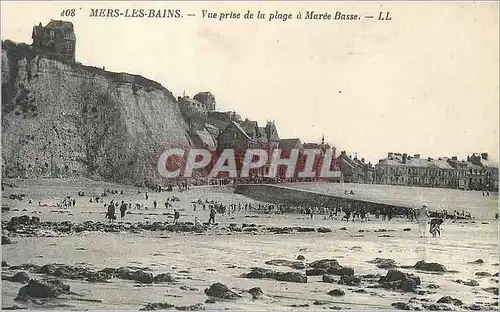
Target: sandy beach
221	254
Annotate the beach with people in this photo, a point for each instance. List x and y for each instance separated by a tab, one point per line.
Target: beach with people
208	248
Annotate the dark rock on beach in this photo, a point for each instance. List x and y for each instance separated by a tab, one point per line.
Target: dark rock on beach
219	290
157	306
193	307
260	273
398	280
401	306
384	263
256	293
478	261
292	264
349	280
328	278
336	292
450	300
328	266
471	282
19	277
163	278
301	257
482	274
6	240
429	266
188	288
324	230
48	288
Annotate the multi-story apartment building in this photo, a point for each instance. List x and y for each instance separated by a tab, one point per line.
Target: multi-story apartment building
477	173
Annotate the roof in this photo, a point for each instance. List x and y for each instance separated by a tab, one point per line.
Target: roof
59	24
472	165
207	139
311	145
441	164
213	130
290	143
350	161
397	160
237	125
204	93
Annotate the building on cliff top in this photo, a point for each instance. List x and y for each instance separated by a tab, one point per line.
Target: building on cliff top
57	39
208	100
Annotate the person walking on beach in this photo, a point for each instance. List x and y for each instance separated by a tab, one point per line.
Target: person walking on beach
212	216
123	208
111	212
422	218
177	215
155	204
347	214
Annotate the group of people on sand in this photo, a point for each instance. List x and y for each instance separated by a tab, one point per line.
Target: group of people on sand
66	202
111	213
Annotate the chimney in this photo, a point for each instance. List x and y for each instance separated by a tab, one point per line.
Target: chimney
405	156
389	154
417	156
484	156
454	158
342	152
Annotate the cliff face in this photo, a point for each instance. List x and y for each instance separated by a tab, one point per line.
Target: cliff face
61	119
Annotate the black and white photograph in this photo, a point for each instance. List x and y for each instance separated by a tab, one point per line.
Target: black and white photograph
250	155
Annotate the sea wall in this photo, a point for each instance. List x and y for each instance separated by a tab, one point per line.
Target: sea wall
285	195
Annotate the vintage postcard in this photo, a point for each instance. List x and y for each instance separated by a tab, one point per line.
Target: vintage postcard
243	155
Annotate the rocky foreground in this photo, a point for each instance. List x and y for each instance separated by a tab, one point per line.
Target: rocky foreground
42	284
50	284
26	226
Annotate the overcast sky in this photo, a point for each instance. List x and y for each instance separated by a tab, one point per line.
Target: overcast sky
425	82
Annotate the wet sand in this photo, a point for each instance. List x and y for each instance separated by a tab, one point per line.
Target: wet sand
199	260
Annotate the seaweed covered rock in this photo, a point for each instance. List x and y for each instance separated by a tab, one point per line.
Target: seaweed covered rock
429	266
336	292
48	288
19	277
384	263
256	293
292	264
260	273
398	280
220	290
328	266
